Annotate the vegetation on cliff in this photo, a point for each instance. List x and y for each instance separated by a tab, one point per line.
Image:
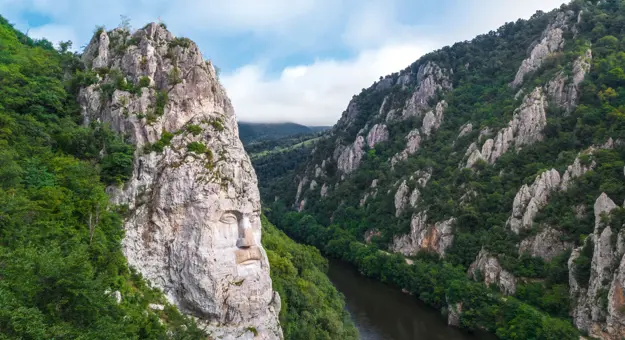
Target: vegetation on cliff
311	307
356	213
62	272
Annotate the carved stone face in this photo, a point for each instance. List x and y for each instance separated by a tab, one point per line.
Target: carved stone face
225	271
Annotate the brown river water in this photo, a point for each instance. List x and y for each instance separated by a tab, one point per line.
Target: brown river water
382	312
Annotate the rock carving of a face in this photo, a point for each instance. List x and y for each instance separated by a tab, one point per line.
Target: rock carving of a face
228	263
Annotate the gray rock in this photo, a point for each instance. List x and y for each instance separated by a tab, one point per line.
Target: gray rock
401	198
349	157
465	129
413	143
433	119
377	134
524	129
487	268
564	90
313	185
552	41
193	227
430	79
530	199
575	170
547	244
324	190
435	238
155	306
454	311
300	187
588	313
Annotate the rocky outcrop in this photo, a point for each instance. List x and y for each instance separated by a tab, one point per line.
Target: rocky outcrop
193	224
551	41
431	122
547	244
530	199
465	130
349	157
564	90
300	187
377	134
425	237
433	119
430	79
525	128
577	169
454	311
599	302
401	198
487	268
324	190
413	142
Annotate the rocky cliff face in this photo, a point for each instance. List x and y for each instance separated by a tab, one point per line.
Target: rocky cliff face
598	302
552	41
193	227
430	79
435	237
525	128
487	268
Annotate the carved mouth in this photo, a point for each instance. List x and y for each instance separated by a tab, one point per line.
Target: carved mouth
248	255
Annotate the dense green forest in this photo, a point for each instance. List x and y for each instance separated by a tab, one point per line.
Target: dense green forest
278	158
482	72
62	271
60	253
311	307
435	282
253	132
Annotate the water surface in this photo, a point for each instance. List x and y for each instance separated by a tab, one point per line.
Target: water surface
382	312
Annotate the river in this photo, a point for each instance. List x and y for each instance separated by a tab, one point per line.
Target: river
382	312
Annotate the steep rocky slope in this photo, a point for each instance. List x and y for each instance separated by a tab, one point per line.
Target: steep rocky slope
193	222
492	155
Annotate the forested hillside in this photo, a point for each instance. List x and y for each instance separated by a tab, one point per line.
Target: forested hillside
63	275
62	271
252	132
493	170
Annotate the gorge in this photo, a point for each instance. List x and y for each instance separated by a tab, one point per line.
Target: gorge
484	180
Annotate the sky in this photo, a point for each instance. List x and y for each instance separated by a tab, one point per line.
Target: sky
286	60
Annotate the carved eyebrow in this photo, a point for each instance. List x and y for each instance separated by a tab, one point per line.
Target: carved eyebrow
236	214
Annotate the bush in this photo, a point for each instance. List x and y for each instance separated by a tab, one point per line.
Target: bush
196	147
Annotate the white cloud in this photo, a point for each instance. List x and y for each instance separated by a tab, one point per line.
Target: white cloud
314	94
317	94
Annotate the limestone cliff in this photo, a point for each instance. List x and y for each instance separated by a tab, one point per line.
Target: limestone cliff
598	302
487	268
525	128
193	224
552	41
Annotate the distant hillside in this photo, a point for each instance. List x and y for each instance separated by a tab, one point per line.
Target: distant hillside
250	132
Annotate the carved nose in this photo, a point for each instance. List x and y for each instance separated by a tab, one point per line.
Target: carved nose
246	236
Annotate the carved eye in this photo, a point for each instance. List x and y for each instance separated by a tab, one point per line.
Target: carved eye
228	218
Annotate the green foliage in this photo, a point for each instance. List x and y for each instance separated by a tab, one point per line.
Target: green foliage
197	147
60	239
217	124
161	101
182	42
194	129
435	282
144	82
311	307
174	76
160	145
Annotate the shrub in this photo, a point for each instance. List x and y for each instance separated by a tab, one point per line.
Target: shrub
196	147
